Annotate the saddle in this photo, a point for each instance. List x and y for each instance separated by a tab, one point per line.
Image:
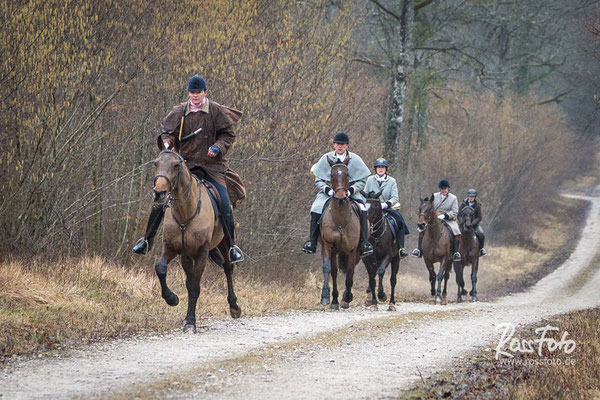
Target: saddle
353	204
449	232
393	225
213	194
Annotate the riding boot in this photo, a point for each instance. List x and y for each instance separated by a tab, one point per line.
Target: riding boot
456	256
235	253
400	238
310	246
365	248
481	238
418	252
144	244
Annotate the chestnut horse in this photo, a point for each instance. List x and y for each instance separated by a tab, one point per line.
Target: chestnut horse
437	247
191	230
469	253
385	252
340	234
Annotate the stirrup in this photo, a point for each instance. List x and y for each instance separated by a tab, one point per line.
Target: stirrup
141	246
402	252
235	254
416	253
366	249
308	247
456	257
482	252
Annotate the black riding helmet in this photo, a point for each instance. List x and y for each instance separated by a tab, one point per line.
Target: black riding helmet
341	137
443	184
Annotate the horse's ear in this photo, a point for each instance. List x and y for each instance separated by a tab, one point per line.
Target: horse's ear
378	194
346	161
330	162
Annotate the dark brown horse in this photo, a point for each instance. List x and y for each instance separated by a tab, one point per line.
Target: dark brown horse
437	247
190	230
340	234
385	252
469	253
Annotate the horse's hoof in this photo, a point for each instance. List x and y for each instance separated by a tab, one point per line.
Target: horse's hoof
432	292
464	292
470	293
373	307
172	299
438	300
189	326
368	301
382	296
334	306
459	300
344	304
474	299
324	301
235	312
391	307
444	302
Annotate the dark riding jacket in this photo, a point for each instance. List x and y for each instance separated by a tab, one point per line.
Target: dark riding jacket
212	125
477	207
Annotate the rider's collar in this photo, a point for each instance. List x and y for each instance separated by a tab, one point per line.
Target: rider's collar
335	156
204	107
381	178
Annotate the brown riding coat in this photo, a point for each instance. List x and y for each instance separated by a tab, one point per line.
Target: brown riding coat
213	125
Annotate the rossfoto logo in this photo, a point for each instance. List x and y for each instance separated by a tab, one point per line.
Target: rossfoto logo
508	345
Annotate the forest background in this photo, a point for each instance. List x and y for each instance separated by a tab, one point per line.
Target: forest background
501	96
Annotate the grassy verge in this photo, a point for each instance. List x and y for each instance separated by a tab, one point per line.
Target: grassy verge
49	305
553	375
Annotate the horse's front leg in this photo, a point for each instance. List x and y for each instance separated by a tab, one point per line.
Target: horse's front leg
431	270
234	310
460	282
166	256
380	273
325	293
447	269
440	276
194	268
474	269
350	264
335	304
393	280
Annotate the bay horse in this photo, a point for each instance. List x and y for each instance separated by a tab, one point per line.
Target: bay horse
437	247
469	253
385	251
190	230
340	234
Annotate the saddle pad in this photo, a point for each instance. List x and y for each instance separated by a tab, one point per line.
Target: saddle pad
393	225
449	231
215	199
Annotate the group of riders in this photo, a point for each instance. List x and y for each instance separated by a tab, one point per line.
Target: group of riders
445	203
202	132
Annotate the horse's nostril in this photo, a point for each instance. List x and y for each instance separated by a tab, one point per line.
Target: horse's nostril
158	196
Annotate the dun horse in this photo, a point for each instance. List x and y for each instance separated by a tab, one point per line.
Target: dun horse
190	230
385	252
437	247
340	234
469	253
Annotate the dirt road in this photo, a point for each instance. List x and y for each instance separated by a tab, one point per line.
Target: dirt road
356	353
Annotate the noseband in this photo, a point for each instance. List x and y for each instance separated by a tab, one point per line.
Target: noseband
175	181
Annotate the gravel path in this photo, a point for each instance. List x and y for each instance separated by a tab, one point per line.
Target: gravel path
356	353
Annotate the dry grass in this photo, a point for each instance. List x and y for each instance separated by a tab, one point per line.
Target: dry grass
483	377
47	305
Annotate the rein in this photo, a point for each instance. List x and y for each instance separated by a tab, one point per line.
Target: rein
377	225
170	199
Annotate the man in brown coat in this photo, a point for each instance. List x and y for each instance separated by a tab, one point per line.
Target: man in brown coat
204	141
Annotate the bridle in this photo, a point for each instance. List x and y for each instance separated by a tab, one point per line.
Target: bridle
378	225
424	216
463	223
170	199
174	182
